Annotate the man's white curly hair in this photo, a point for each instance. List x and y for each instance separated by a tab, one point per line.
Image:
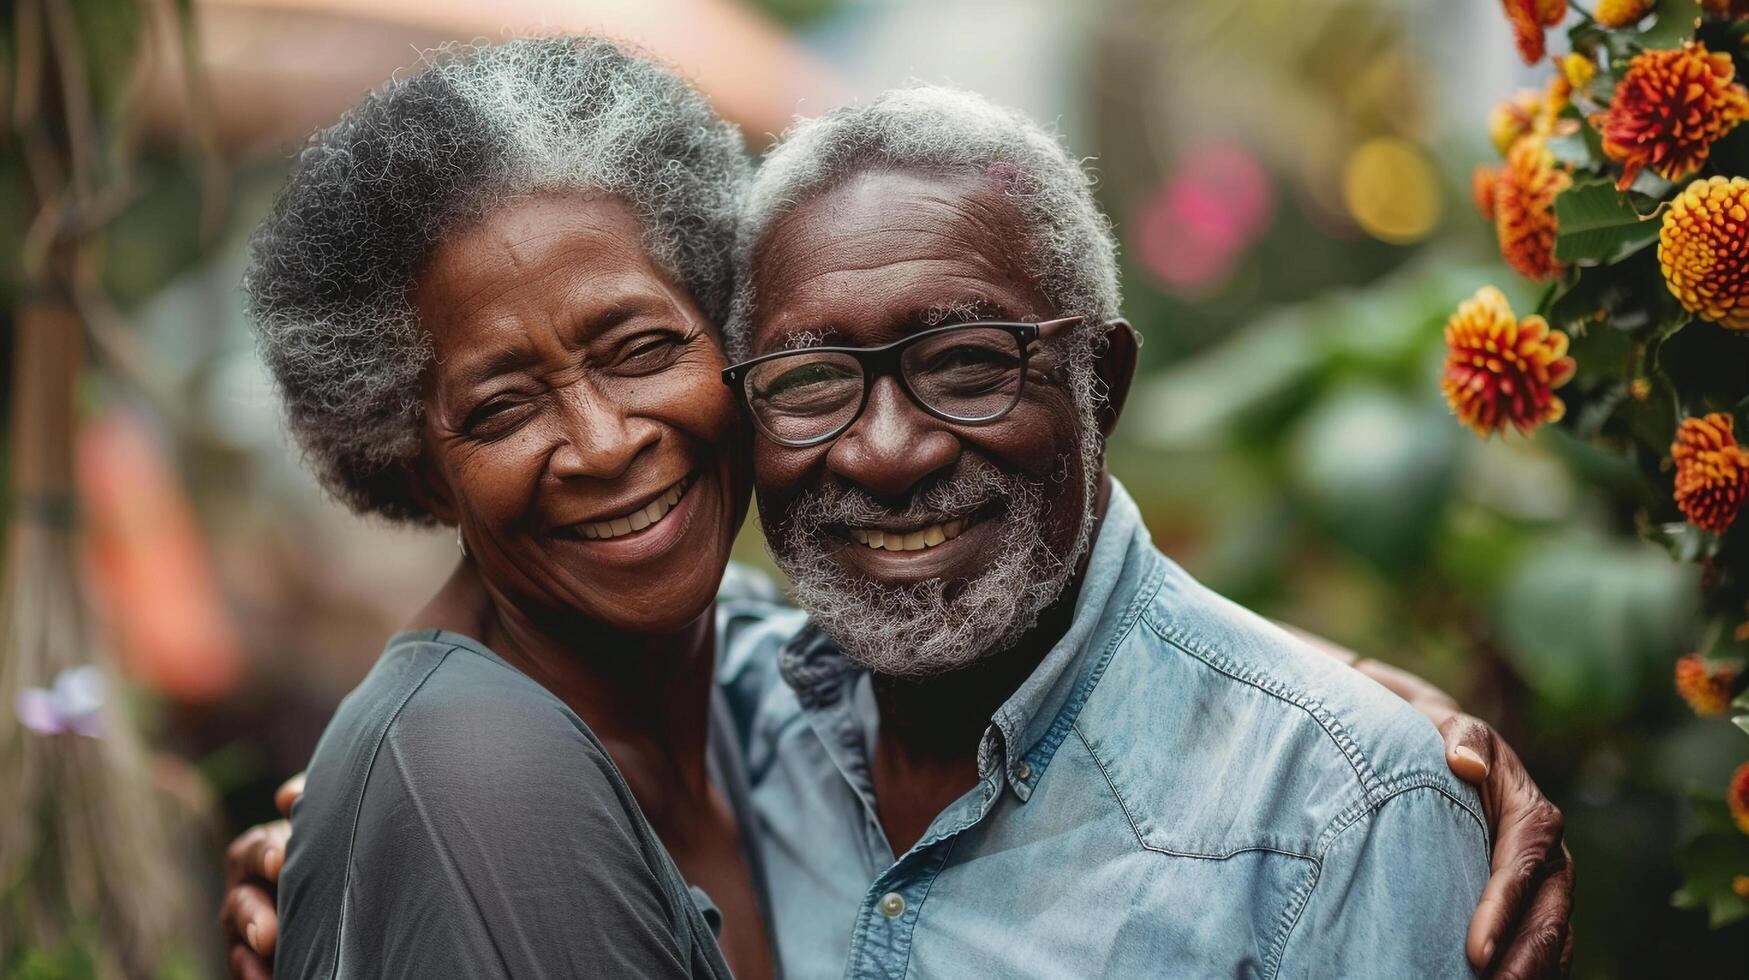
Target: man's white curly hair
333	265
1070	250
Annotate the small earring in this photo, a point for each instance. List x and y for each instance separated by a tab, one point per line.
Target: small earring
461	542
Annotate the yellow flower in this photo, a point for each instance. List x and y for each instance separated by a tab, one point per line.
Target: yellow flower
1500	370
1578	69
1621	13
1712	471
1668	110
1524	208
1706	688
1703	248
1514	118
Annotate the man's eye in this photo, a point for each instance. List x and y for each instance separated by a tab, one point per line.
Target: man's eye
806	379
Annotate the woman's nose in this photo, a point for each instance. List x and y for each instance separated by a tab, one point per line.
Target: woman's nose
893	445
597	438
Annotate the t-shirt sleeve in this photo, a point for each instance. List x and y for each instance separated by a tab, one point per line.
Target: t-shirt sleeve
492	841
1393	894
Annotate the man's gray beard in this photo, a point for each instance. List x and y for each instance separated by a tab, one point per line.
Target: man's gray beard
938	625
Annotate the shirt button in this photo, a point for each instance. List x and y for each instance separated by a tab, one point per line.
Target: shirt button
892	905
1023	772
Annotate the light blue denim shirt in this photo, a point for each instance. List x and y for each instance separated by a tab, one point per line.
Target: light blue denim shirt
1180	789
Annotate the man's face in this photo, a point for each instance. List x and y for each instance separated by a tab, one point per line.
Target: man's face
1005	505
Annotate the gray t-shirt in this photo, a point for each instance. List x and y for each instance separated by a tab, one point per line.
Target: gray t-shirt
461	821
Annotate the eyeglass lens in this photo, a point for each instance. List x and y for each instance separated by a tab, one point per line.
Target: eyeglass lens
968	375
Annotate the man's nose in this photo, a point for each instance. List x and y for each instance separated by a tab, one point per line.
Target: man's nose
894	444
597	439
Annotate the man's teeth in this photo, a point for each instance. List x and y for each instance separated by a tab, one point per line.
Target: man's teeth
638	519
928	537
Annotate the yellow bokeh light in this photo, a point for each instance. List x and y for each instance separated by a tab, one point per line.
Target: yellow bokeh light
1391	190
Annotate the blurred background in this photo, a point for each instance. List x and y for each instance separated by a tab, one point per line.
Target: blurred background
1289	180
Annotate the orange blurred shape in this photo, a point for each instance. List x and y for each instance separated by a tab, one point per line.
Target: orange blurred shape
148	567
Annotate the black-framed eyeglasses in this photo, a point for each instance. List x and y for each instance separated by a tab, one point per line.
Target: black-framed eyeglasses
966	373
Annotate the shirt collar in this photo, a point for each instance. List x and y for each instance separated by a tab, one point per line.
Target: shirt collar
1122	572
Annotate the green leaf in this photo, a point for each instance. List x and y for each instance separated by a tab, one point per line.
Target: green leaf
1595	222
1674	26
1741	721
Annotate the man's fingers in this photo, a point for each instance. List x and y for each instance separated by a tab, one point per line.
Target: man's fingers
248	914
1469	748
1523	849
245	965
288	793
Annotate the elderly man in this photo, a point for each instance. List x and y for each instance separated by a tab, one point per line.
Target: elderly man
1018	740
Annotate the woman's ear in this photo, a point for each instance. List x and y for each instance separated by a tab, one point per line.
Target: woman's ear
425	485
1116	369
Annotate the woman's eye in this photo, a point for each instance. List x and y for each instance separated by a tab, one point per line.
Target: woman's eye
494	415
650	351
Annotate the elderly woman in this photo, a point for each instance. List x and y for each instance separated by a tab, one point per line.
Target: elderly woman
490	297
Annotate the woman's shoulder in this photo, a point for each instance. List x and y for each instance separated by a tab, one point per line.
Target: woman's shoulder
449	714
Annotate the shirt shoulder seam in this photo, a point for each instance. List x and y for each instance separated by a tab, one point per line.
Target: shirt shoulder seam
1302	896
1346	744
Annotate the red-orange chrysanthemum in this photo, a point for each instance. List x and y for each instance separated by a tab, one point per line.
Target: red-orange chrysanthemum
1500	370
1738	797
1524	208
1712	471
1706	687
1529	18
1703	248
1482	180
1668	110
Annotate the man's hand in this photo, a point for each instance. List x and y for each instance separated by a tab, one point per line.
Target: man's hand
1521	927
252	866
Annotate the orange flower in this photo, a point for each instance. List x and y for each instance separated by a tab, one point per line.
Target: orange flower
1529	18
1707	689
1621	13
1739	797
1712	471
1726	8
1703	248
1513	118
1669	109
1740	885
1524	208
1482	181
1500	370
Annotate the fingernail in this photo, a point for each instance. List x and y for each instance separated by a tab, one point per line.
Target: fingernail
270	860
250	931
1473	756
1487	947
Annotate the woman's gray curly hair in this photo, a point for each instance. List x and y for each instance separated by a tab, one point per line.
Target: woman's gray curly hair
332	267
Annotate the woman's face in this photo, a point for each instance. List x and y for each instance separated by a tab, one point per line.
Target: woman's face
576	426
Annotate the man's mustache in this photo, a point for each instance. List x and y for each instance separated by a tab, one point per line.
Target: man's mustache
973	488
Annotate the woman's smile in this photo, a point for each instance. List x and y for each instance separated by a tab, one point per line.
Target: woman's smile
653	530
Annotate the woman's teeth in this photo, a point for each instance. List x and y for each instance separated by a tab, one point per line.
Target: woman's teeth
637	520
928	537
